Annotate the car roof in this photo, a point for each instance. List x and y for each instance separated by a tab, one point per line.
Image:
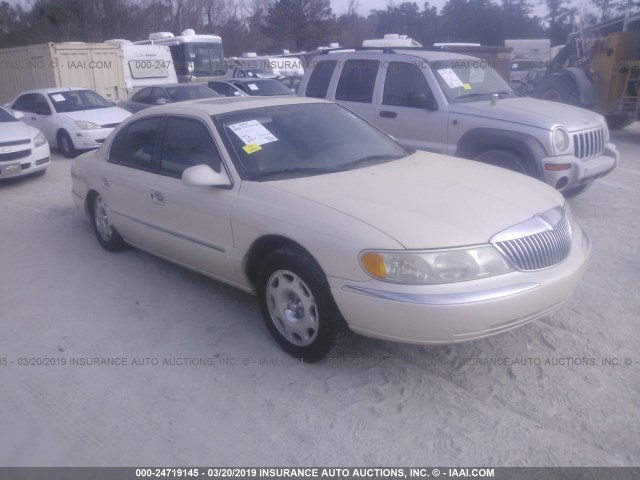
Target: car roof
55	90
252	79
219	105
428	55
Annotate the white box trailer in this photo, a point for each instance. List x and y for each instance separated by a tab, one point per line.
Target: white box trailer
97	66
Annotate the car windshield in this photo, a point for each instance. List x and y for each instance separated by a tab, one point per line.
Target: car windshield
189	92
6	116
77	100
288	141
470	79
266	87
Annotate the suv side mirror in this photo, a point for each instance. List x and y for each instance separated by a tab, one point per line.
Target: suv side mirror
421	100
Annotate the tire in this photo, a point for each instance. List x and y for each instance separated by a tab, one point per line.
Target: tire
108	236
616	122
297	305
65	145
504	159
572	192
557	88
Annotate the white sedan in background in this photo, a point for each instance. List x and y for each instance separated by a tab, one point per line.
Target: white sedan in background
23	149
331	223
72	119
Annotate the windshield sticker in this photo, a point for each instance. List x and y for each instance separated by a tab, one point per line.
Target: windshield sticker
252	147
450	77
476	75
252	132
466	86
57	97
252	86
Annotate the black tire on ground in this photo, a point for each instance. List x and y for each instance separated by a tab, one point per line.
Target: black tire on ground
297	305
616	122
572	192
505	159
108	236
65	145
557	88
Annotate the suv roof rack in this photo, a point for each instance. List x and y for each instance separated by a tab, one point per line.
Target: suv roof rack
383	49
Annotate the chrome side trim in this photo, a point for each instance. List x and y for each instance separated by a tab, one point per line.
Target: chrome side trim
446	298
170	232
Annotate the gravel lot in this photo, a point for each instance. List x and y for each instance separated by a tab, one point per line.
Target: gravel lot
547	394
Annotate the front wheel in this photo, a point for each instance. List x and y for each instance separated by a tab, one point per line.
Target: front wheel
108	236
65	144
572	192
297	305
503	158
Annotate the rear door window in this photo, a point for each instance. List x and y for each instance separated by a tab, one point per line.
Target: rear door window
133	146
357	80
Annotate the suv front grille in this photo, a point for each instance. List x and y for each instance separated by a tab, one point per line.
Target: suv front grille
540	250
589	144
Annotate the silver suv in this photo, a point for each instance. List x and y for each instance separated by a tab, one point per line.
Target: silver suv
458	105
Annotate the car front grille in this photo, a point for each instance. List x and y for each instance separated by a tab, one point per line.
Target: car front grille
15	142
589	144
4	157
542	249
110	125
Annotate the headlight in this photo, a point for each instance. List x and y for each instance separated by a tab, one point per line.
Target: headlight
84	125
561	140
434	266
39	140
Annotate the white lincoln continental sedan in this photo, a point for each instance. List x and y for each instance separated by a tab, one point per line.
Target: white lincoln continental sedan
331	223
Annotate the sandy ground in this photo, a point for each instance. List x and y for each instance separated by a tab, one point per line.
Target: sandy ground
242	401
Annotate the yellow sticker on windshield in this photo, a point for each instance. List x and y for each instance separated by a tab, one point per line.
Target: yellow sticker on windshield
252	147
466	86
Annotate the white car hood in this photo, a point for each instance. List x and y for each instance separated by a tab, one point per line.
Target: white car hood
12	131
100	116
533	112
428	200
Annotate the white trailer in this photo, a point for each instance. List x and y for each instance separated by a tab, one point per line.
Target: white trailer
92	65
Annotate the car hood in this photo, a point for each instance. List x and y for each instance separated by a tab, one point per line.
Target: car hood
13	131
532	112
100	116
428	200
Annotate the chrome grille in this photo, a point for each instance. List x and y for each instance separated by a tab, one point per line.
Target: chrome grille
589	144
540	250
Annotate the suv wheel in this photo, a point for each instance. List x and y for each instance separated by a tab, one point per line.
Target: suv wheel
557	89
503	158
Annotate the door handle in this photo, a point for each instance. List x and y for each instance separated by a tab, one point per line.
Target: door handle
157	198
387	114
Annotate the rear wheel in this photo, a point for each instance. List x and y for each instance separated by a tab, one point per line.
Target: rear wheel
504	159
108	236
297	305
557	88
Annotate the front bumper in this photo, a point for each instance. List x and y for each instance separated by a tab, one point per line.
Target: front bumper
34	160
88	139
581	171
457	312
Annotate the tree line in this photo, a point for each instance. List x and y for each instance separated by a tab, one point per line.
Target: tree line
269	26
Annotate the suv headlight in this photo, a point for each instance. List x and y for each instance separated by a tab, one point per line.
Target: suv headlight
84	125
39	140
434	266
561	140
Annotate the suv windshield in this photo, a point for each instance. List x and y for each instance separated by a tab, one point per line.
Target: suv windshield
473	79
77	100
303	139
6	116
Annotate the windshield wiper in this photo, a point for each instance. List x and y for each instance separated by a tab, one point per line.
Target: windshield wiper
372	159
292	171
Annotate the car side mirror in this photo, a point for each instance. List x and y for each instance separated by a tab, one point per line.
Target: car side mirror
421	100
205	176
161	101
18	115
